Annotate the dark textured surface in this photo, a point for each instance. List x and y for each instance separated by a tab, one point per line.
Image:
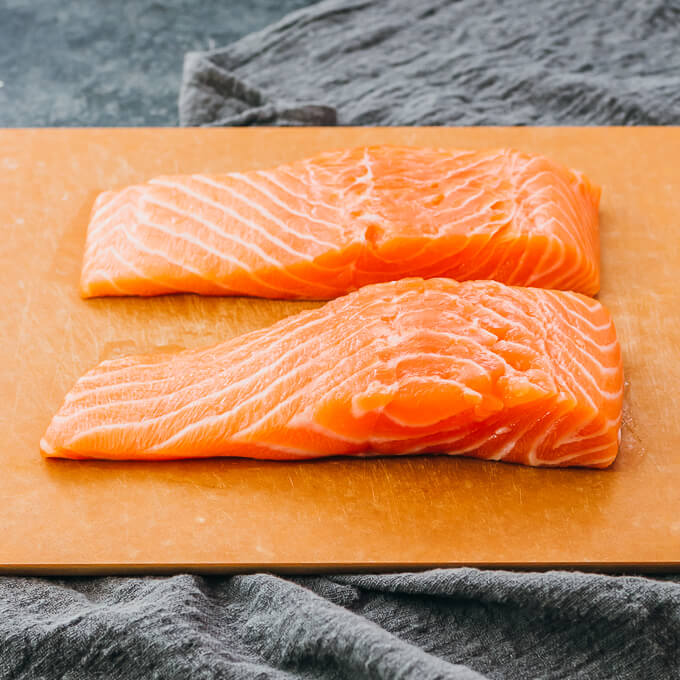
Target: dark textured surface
356	62
111	62
437	62
460	624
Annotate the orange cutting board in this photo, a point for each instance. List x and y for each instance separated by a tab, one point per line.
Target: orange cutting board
221	515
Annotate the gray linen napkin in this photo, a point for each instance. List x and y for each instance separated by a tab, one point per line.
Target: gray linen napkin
460	624
437	62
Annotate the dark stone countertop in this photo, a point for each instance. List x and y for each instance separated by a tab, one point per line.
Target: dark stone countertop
96	62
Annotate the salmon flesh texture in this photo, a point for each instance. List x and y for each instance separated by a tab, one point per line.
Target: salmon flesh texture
478	368
322	227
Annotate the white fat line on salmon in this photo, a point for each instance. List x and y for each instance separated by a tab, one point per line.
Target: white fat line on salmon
565	278
577	454
554	419
211	420
580	300
528	251
142	247
366	370
430	243
264	212
304	198
100	273
266	369
274	199
304	421
392	390
507	448
198	384
114	200
539	272
556	332
226	210
447	255
566	206
485	253
97	224
569	314
597	351
247	359
607	426
459	206
246	245
118	255
332	388
242	267
458	170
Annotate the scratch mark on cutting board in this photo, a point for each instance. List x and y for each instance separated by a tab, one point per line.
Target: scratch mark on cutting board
23	322
21	332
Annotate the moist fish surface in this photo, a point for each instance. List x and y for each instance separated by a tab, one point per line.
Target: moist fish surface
324	226
478	368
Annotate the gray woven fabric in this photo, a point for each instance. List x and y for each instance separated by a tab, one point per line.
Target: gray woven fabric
389	62
433	62
459	624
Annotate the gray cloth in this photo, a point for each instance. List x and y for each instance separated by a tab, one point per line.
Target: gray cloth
461	624
434	62
407	62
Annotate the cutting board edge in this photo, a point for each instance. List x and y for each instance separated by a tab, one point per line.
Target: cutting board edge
165	569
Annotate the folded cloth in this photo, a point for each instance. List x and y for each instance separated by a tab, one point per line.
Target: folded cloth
460	624
437	62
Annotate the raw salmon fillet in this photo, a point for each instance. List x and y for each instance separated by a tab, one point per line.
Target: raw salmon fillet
478	368
325	226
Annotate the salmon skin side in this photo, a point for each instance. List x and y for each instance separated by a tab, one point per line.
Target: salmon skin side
325	226
481	369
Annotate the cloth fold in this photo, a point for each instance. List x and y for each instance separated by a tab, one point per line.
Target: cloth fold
461	624
437	62
226	99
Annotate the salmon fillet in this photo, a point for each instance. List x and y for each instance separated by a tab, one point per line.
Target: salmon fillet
477	368
322	227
